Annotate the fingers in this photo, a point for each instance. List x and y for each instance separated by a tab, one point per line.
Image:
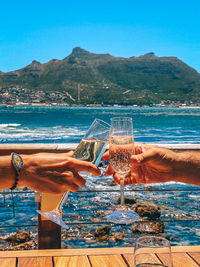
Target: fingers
58	185
68	178
73	164
78	179
116	178
106	155
138	148
128	180
79	165
109	170
143	157
89	167
44	185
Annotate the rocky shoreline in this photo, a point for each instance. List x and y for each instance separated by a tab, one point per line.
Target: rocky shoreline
89	228
148	223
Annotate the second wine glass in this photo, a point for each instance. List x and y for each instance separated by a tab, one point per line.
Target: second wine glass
121	148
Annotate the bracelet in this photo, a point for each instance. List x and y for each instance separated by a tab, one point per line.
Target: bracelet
18	164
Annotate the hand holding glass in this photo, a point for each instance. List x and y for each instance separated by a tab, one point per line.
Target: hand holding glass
91	148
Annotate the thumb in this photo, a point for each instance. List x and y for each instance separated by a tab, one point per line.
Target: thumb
143	157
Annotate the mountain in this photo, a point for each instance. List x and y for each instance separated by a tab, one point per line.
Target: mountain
88	78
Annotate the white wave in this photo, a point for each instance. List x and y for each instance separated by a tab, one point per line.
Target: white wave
7	125
194	196
40	133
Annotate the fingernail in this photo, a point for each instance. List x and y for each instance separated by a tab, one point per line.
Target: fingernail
121	182
137	159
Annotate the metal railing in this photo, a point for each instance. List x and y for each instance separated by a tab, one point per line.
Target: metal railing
49	234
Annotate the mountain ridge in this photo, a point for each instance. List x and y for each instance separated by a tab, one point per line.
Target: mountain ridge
91	78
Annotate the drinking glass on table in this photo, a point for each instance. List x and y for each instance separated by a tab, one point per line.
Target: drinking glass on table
121	148
91	148
152	251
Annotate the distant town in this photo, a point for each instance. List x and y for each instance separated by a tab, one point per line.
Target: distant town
23	96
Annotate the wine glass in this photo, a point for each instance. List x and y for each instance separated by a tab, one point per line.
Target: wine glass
152	251
91	148
121	148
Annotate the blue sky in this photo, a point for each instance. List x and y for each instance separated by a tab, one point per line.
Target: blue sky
42	30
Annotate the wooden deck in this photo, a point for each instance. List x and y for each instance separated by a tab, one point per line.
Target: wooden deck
187	256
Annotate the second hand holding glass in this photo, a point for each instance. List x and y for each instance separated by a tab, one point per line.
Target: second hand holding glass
121	148
91	149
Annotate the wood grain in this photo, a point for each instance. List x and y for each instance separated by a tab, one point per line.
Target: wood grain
129	258
74	261
87	251
7	262
107	261
195	256
182	259
35	262
65	252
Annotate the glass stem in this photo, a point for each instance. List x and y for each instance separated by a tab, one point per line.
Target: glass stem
64	197
122	195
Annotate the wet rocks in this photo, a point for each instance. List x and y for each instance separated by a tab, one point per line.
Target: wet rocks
70	233
149	187
151	225
101	213
2	247
26	246
95	220
66	246
148	227
102	232
19	236
116	237
128	200
148	209
112	183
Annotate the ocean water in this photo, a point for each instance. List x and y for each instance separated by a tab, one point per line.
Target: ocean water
86	209
68	124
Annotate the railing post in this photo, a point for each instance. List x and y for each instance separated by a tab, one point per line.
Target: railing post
49	233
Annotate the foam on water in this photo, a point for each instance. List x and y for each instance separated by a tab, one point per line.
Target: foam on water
8	125
15	132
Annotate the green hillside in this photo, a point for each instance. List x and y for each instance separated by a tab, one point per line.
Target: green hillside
89	78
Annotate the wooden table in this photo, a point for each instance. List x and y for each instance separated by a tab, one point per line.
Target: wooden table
99	257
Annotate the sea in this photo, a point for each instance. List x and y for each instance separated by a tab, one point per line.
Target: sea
86	209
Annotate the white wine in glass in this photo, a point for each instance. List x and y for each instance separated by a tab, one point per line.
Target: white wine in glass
91	148
121	148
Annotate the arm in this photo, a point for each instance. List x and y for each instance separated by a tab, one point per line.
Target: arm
47	172
153	164
7	172
187	167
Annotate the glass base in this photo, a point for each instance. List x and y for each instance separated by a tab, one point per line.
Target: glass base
122	217
53	216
